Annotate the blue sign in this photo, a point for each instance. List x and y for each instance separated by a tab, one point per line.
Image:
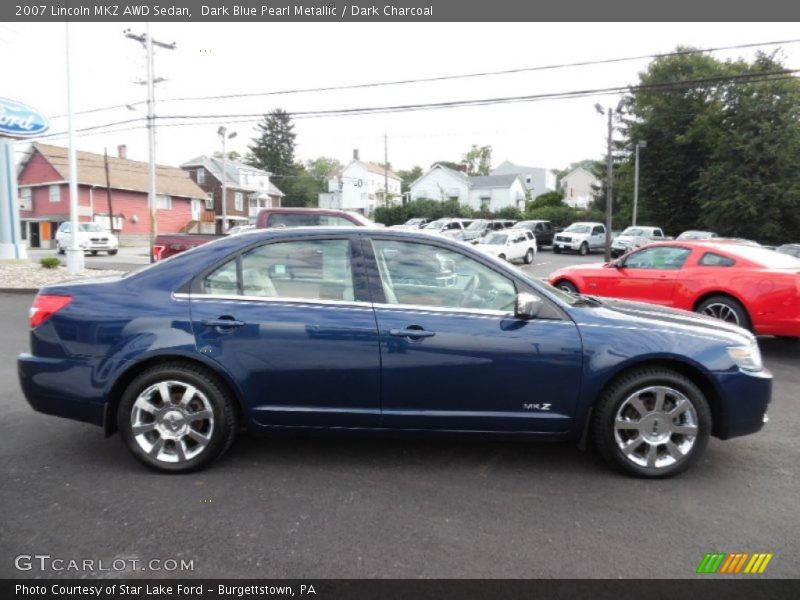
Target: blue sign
20	120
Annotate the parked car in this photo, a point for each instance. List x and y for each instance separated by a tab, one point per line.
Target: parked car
169	244
483	227
543	230
415	223
510	245
92	237
452	228
635	237
697	235
324	330
745	285
790	249
581	237
240	229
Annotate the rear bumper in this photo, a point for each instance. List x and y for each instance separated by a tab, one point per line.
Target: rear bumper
786	327
746	397
61	387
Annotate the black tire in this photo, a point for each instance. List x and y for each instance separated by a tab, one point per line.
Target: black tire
567	286
584	249
501	256
556	249
220	432
529	256
729	309
59	249
112	252
94	252
613	399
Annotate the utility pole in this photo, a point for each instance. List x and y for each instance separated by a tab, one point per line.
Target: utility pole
639	144
222	132
108	192
609	182
148	42
75	258
385	170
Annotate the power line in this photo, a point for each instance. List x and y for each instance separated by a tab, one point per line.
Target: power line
449	77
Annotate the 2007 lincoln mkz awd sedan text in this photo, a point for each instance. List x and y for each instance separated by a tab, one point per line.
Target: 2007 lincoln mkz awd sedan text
382	331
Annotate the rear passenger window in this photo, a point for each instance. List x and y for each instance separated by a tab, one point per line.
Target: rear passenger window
712	259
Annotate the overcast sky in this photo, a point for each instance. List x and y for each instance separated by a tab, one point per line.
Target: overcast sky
213	59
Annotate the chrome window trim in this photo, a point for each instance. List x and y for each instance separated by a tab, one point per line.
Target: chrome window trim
445	309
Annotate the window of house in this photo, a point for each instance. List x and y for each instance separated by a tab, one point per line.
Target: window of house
163	202
210	201
55	193
238	201
201	175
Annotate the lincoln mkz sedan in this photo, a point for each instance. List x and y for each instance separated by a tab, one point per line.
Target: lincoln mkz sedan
388	332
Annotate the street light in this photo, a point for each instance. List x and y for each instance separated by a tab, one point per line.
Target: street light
222	132
639	144
609	173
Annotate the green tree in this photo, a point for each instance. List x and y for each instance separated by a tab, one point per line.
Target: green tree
273	150
478	160
409	176
547	199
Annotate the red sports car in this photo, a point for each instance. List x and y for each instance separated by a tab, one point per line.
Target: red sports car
750	286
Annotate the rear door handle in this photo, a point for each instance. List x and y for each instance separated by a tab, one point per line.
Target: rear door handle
411	333
223	322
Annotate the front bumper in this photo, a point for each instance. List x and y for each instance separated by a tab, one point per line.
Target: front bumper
745	399
571	245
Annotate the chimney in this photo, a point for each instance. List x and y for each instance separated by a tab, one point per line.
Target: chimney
122	151
355	154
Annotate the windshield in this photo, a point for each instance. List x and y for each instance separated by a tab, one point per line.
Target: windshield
480	224
496	239
435	225
414	221
578	228
91	227
634	231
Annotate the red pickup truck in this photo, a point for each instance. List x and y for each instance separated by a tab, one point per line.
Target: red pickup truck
167	245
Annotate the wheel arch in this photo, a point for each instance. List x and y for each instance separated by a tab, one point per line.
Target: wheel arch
727	294
568	280
126	377
688	370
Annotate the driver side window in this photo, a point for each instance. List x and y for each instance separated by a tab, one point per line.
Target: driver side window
661	257
426	275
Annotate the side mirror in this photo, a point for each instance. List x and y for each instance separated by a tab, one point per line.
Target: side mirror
527	306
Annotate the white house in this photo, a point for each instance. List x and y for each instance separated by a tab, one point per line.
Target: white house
360	187
442	183
493	192
490	192
537	180
578	186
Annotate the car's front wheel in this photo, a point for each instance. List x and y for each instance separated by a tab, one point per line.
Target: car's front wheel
529	256
176	418
652	422
60	249
112	252
584	249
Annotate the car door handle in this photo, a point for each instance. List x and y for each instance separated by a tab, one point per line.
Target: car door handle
223	322
412	333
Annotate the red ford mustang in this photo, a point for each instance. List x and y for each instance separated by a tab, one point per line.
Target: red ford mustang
750	286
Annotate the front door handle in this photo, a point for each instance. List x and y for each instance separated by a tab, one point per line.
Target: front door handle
223	322
411	332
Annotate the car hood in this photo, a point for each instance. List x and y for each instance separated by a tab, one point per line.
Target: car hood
626	238
489	248
645	315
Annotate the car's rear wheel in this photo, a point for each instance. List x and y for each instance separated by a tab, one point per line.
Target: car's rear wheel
529	256
112	252
94	252
652	422
725	309
176	418
60	249
584	249
556	249
568	287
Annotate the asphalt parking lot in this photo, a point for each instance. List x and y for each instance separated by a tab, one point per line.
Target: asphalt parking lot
342	508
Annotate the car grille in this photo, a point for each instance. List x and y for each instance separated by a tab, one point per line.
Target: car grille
99	239
563	238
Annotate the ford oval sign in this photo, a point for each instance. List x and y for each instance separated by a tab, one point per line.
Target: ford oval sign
20	120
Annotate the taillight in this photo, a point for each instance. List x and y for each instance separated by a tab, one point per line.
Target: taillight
45	306
158	251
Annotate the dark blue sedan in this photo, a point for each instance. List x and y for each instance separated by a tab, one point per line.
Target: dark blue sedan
382	331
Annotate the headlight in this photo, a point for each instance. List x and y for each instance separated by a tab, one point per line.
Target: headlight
747	358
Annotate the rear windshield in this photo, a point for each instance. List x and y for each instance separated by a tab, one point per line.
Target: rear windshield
764	256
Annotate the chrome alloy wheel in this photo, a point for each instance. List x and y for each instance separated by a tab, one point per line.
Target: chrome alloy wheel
172	421
723	312
656	427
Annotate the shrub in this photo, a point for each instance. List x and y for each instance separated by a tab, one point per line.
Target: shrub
51	262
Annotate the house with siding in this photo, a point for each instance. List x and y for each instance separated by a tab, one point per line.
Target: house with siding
361	187
579	187
482	192
537	180
247	188
44	197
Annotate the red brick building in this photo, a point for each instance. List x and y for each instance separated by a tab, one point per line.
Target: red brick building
43	182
